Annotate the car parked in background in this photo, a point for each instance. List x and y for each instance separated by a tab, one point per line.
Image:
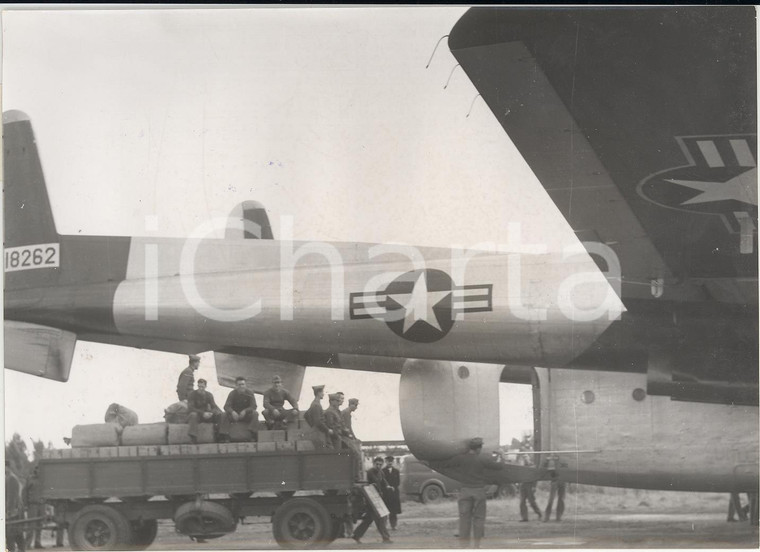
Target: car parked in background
419	482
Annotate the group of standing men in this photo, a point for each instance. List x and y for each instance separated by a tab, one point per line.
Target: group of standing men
240	405
528	493
334	423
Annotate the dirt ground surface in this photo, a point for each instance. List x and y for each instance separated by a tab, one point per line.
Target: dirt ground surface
609	519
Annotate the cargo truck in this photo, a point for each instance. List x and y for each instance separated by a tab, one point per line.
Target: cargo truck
112	497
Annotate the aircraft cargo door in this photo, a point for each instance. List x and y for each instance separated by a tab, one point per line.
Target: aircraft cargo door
519	407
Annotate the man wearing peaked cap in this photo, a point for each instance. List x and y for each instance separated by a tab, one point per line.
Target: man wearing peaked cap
353	404
274	411
473	468
334	421
315	415
392	495
186	379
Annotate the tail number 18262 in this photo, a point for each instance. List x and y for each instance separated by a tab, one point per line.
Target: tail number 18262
28	257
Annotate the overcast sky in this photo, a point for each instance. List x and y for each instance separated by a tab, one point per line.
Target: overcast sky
326	116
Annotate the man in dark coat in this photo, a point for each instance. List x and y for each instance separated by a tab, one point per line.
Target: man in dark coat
392	495
202	408
187	378
239	407
274	402
376	478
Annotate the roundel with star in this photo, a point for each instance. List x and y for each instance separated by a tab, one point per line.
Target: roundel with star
421	305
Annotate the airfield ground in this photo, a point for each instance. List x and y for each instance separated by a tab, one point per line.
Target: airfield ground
612	518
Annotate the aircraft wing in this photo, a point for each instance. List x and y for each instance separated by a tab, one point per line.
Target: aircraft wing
641	125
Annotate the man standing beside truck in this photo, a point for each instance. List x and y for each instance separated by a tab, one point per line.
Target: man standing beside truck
14	512
392	496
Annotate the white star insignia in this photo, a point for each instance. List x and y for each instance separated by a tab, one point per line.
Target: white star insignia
742	187
418	305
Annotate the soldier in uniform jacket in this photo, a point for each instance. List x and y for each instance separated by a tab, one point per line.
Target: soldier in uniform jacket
315	415
187	379
334	421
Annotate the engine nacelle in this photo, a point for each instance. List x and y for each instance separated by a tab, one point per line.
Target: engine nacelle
445	404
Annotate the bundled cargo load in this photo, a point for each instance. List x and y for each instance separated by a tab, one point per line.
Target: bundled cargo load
121	416
144	434
95	435
176	413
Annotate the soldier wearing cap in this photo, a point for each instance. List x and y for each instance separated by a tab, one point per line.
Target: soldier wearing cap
187	378
274	402
353	404
315	415
472	468
334	421
202	409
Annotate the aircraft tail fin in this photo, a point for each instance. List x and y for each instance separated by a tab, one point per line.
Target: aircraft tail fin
28	217
31	241
249	220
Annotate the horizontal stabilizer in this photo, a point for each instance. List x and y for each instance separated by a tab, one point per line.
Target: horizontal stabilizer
258	372
39	350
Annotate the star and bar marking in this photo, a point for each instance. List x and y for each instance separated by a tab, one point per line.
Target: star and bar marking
421	305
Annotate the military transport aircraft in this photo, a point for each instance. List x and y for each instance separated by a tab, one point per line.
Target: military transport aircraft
640	124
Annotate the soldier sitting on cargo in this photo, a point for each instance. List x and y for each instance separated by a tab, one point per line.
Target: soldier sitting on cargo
239	407
274	401
202	409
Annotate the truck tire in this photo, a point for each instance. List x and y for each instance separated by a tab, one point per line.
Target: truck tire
144	533
209	521
302	523
99	527
432	493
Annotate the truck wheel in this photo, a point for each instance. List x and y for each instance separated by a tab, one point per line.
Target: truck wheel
301	523
144	533
98	527
431	493
209	521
